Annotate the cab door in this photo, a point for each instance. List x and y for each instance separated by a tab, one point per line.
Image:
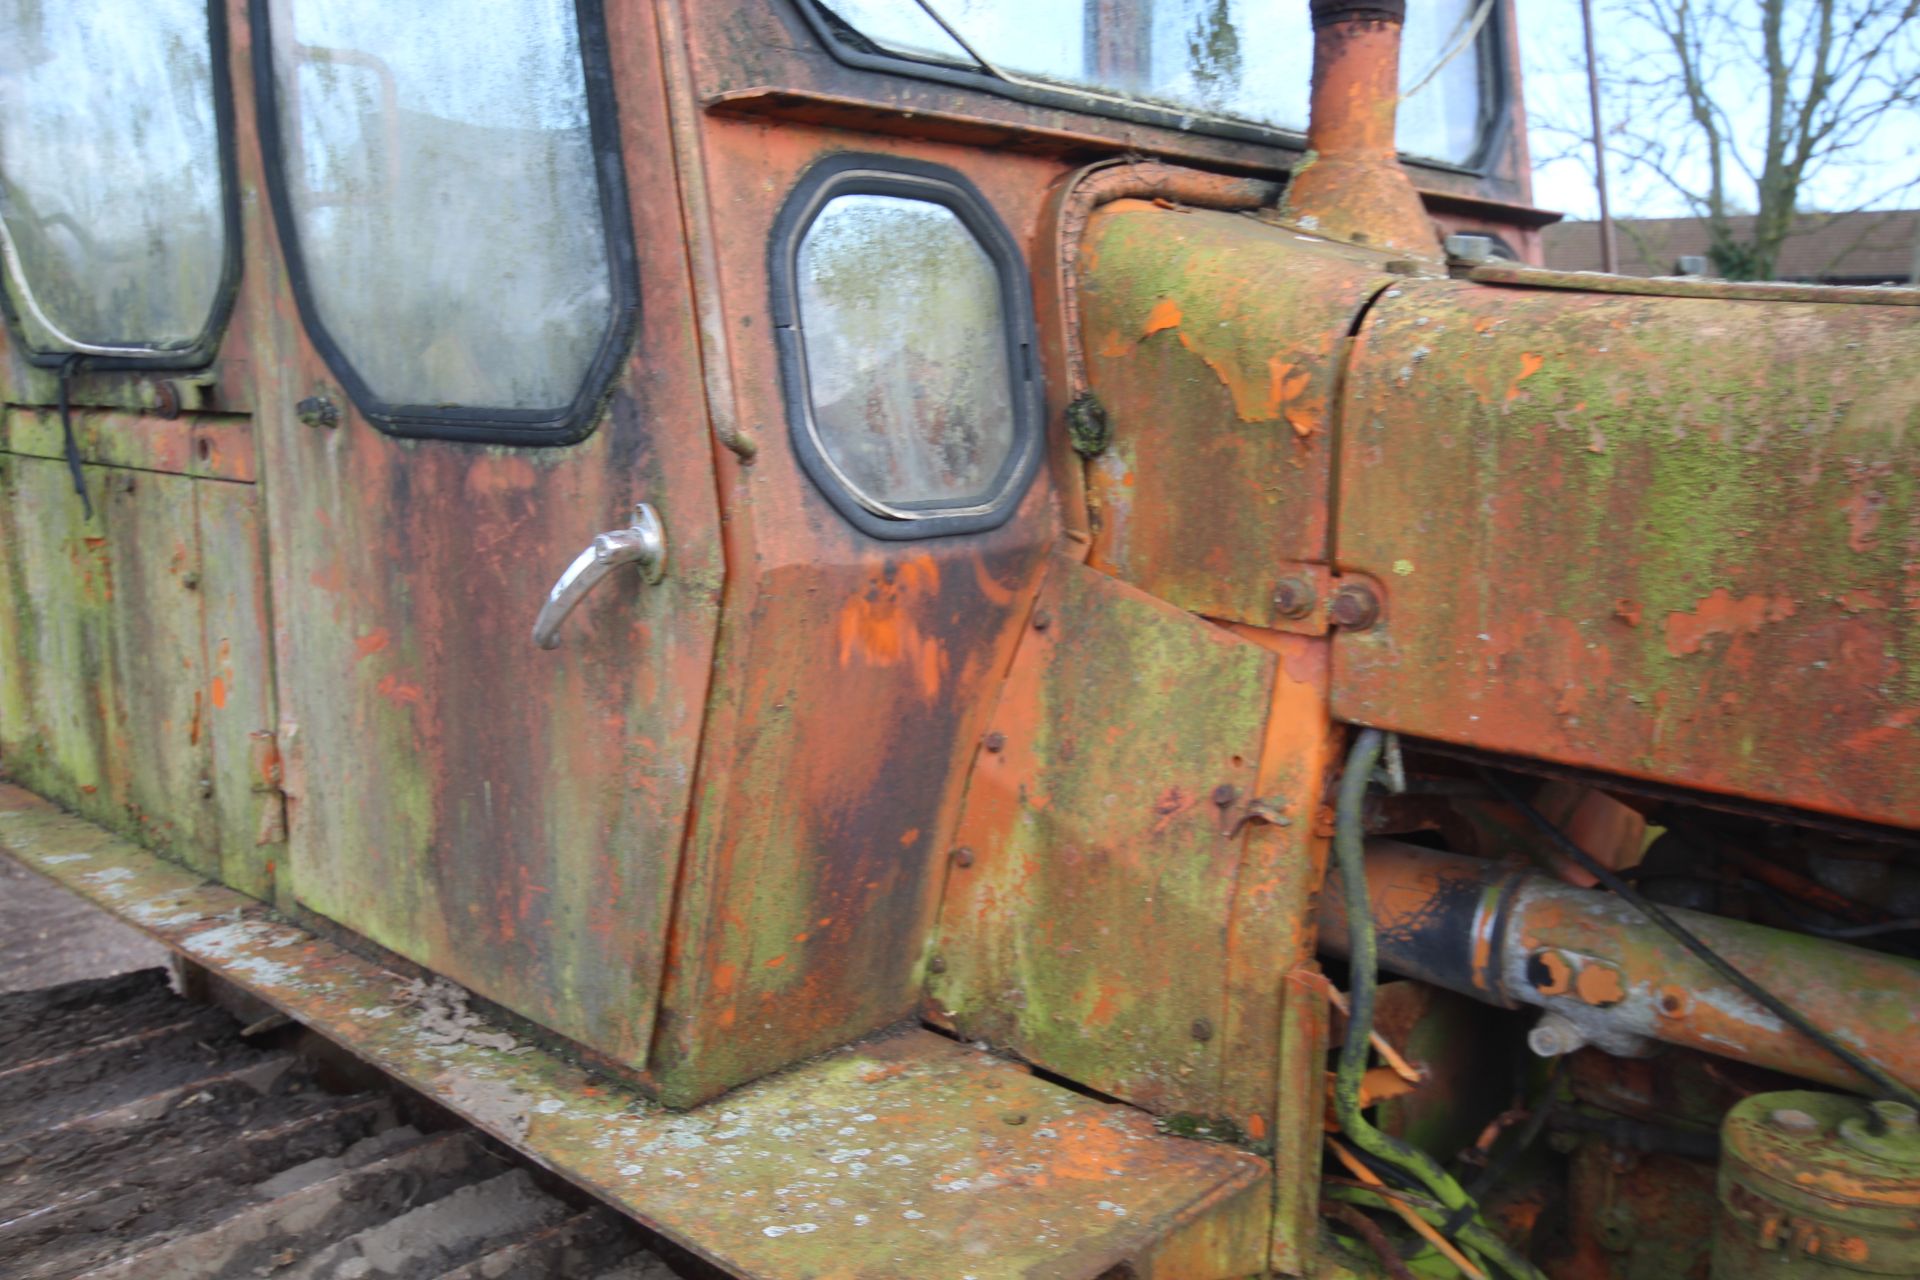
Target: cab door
483	361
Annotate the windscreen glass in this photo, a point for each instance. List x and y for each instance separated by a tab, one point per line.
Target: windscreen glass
111	196
440	174
1248	61
906	351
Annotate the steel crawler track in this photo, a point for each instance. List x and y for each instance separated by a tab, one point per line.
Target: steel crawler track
143	1137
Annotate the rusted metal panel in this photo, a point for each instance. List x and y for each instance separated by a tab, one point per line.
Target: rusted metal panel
158	744
1103	834
237	709
205	445
854	675
902	1157
106	707
507	816
55	667
1214	342
1668	537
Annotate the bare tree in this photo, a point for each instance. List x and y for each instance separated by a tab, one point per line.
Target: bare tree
1738	105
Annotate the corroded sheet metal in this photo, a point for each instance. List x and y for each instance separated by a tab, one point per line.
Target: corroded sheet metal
1676	538
506	816
853	675
1103	838
1214	342
904	1157
209	446
133	668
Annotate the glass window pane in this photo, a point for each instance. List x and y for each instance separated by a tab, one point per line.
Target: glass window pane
906	351
440	173
1247	60
110	174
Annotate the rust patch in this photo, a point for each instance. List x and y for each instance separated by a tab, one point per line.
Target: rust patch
1721	613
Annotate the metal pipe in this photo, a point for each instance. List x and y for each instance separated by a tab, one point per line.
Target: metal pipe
1350	185
1606	977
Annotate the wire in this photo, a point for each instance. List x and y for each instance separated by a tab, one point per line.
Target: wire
1839	933
1869	1070
1472	32
1363	963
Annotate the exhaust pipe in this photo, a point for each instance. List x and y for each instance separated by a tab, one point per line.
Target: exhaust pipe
1605	976
1350	186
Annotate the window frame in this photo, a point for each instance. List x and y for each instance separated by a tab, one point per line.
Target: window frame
568	424
863	173
845	44
201	351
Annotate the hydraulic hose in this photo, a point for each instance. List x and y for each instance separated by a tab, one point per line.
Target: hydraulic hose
1349	853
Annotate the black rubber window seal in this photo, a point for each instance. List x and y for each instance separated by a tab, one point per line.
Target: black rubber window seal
201	350
566	424
854	173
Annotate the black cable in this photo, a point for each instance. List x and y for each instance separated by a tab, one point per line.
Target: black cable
1363	982
1780	1009
69	367
1839	933
1497	1168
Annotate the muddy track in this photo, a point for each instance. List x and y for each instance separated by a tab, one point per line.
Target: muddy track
143	1137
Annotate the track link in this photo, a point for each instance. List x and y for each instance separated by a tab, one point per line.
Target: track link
143	1137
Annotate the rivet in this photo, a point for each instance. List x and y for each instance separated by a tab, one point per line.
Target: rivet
1225	794
963	857
1202	1030
1042	620
190	580
1294	598
205	788
995	741
1014	1117
936	965
1354	607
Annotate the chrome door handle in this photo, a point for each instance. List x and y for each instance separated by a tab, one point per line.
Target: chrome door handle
644	543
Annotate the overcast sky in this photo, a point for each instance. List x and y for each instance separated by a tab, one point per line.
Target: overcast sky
1552	52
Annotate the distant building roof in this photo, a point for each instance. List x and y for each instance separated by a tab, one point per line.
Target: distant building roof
1827	248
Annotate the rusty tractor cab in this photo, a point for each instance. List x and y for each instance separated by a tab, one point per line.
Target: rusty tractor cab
977	650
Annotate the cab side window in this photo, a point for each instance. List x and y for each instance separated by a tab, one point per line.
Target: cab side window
117	221
450	198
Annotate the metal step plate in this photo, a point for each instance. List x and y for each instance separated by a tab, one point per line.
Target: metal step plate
904	1156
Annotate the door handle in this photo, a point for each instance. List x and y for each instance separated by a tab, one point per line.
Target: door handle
644	543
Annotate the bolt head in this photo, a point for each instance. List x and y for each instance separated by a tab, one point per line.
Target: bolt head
995	742
936	965
963	857
1294	598
1354	606
1202	1030
1225	794
1895	1117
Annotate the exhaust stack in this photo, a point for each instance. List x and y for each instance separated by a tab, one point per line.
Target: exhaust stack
1350	185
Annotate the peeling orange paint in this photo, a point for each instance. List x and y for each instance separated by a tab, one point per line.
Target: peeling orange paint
1723	614
1529	365
1165	315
